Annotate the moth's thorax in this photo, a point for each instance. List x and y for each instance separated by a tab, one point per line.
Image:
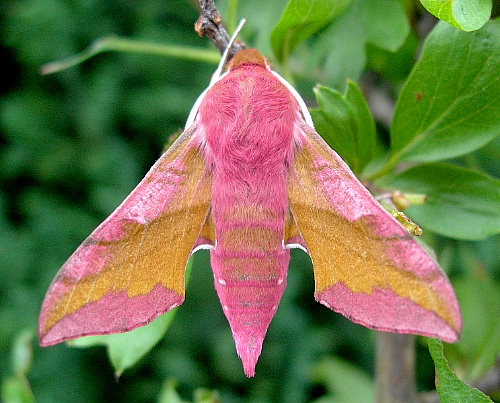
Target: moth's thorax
248	118
247	57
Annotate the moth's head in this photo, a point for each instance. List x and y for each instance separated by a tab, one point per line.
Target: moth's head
247	57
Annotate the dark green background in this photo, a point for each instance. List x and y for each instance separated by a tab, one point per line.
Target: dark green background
73	144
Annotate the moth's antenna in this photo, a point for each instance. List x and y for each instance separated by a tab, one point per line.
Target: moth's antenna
223	60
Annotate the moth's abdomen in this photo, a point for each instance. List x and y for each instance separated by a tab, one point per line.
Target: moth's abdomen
250	267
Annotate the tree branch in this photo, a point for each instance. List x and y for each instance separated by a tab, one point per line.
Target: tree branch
209	24
395	368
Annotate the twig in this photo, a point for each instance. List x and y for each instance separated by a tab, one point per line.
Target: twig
395	368
113	43
209	24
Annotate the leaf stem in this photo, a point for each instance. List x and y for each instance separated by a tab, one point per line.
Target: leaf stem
113	43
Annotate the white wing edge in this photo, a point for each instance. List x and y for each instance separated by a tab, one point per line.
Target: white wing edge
300	101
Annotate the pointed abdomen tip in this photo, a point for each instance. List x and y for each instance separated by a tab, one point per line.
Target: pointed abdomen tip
249	348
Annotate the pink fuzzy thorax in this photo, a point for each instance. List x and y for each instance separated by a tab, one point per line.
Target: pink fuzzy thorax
250	149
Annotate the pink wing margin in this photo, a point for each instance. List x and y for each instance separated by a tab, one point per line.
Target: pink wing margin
131	268
366	265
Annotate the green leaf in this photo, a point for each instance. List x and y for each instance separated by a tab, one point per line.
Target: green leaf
346	124
450	104
394	66
343	380
462	203
261	16
449	387
168	394
202	395
22	352
467	15
480	339
300	20
126	349
380	22
16	390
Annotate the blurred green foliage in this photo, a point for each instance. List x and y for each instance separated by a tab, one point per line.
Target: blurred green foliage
73	144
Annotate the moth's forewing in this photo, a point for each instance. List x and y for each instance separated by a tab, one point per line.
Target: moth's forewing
131	268
366	265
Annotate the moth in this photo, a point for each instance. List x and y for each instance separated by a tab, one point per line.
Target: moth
249	179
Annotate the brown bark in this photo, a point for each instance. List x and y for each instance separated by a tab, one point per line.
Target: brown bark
209	24
395	368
